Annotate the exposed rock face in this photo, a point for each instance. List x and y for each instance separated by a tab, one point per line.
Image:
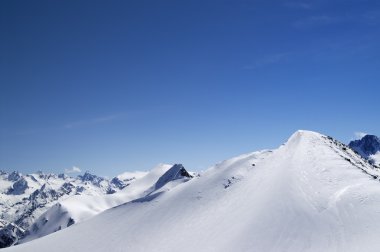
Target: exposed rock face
88	177
368	145
118	183
14	176
174	173
9	234
18	187
369	148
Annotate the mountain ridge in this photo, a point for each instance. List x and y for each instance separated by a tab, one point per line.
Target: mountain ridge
23	198
79	208
311	194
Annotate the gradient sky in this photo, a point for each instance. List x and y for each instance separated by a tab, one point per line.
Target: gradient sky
112	86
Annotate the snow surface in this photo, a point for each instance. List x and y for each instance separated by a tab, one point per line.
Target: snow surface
133	175
375	158
23	203
82	207
311	194
24	198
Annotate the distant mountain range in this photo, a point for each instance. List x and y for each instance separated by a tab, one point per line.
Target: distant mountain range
23	198
313	193
27	200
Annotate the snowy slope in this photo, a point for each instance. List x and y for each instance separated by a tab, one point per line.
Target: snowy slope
311	194
79	208
33	193
24	198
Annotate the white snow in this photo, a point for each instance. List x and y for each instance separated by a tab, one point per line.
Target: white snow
311	194
82	207
19	207
375	158
24	198
132	175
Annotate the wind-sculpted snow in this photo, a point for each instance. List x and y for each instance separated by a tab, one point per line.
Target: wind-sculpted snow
311	194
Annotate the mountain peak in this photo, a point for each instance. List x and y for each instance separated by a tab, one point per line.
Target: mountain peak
177	171
14	176
368	145
314	189
87	176
302	136
305	133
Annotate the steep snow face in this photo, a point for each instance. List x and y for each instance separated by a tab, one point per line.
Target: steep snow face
311	194
79	208
368	147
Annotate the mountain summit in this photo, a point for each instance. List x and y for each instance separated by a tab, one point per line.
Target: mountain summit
311	194
368	147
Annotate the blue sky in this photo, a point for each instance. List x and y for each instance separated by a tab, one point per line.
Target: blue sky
111	86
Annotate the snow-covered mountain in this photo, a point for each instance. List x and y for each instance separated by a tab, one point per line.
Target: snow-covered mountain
368	147
311	194
24	198
82	207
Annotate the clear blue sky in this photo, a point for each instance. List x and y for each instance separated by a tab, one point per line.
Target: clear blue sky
111	86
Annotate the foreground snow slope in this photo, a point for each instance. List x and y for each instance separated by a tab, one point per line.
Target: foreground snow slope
311	194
